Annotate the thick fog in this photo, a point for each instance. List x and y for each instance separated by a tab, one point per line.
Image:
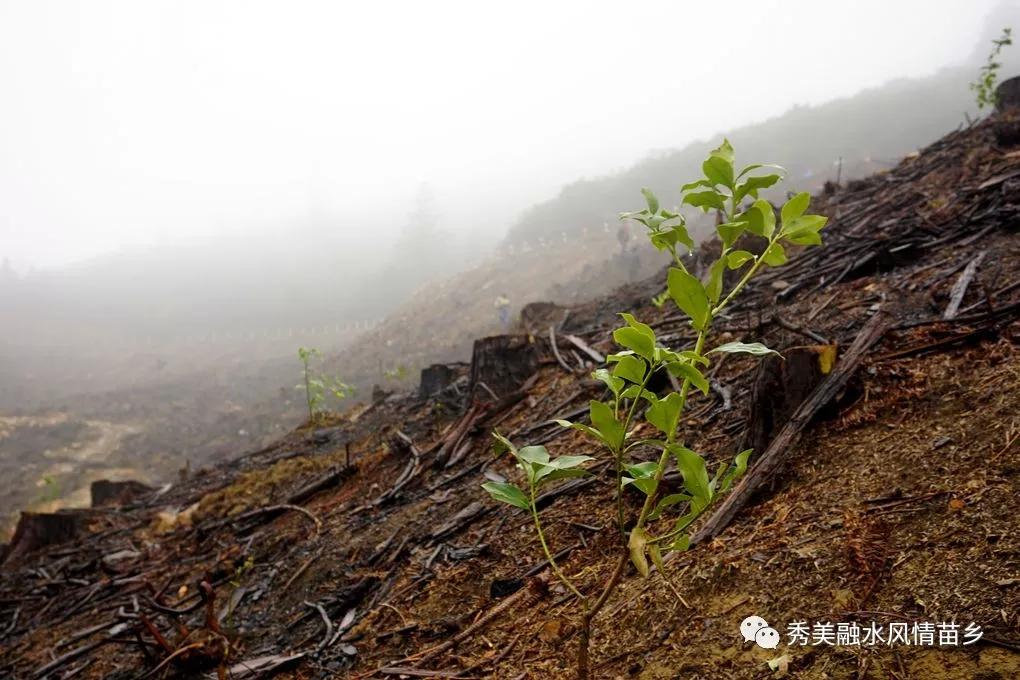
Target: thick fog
139	123
191	178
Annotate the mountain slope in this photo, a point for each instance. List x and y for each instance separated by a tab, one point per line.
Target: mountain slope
896	507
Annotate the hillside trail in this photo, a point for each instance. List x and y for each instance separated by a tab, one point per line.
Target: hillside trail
88	460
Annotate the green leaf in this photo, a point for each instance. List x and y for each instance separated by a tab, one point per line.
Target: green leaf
644	469
548	474
636	336
681	544
633	339
718	170
795	207
645	485
635	392
761	217
755	348
689	295
706	200
501	445
642	475
630	368
738	258
739	468
663	240
534	454
804	230
656	554
715	280
696	185
665	413
612	381
667	502
752	185
634	323
755	166
691	372
774	255
724	151
683	237
562	467
636	544
507	493
583	428
695	474
804	237
604	420
729	232
808	222
651	200
694	357
567	462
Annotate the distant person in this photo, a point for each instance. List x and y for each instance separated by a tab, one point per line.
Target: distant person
634	266
503	309
623	236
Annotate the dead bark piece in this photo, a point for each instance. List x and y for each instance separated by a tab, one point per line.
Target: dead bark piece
596	356
502	362
780	386
260	667
106	492
466	516
769	463
335	476
37	530
960	287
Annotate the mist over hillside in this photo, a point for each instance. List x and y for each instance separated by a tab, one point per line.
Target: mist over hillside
187	344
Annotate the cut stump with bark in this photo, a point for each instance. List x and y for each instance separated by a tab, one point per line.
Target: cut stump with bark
106	492
500	364
37	530
765	466
436	378
781	385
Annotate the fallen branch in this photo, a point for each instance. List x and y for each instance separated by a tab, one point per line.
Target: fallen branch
779	451
556	350
274	510
326	622
587	349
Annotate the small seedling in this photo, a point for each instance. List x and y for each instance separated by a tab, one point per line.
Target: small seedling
663	521
984	87
317	385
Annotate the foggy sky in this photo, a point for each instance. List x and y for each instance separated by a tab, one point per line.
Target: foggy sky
126	123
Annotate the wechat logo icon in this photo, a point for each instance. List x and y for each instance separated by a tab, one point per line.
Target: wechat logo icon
756	629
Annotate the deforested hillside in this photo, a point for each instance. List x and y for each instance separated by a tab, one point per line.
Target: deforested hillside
881	491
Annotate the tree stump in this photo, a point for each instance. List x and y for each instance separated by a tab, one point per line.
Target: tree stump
39	529
1008	94
106	492
437	378
501	363
1007	124
780	386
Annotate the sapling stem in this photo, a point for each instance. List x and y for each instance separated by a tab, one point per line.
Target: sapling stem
548	554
